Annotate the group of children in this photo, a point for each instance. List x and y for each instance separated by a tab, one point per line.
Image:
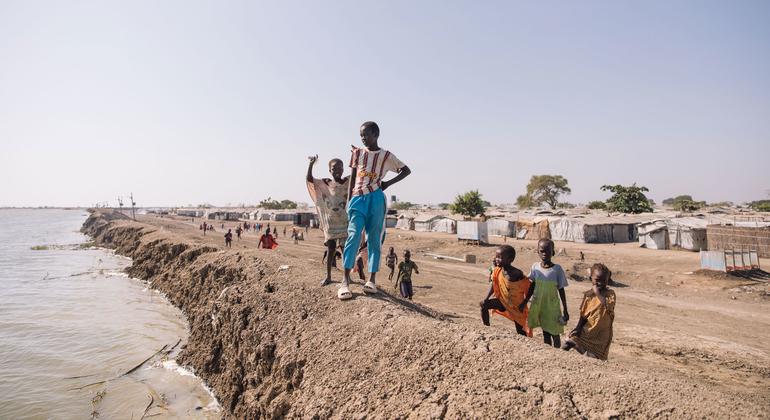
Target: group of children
537	300
352	206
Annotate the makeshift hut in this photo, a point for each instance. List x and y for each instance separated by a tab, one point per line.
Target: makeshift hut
501	227
687	233
391	221
536	228
405	221
468	230
593	229
427	222
653	234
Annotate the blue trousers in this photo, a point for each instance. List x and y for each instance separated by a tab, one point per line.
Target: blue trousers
365	213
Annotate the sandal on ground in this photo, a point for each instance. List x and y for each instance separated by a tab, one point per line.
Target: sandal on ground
370	288
343	293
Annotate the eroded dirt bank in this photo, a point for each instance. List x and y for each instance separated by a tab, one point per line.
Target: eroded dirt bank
271	343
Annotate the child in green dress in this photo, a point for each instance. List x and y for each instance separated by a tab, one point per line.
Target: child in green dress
548	283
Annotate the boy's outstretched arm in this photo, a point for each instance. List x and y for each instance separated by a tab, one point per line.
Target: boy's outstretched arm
403	173
530	292
563	297
312	160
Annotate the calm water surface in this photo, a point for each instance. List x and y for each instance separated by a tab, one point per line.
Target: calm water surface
69	317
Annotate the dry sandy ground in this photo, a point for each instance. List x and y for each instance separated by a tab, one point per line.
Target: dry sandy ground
675	323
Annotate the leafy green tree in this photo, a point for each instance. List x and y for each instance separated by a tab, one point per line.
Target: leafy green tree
629	199
565	205
469	204
401	205
671	201
288	204
271	204
524	202
760	205
545	189
443	206
688	205
597	205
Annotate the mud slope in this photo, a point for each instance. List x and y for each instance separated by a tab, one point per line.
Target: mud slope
271	343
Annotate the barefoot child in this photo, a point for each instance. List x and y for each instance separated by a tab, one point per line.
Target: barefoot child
509	287
404	277
390	260
593	334
548	283
267	241
330	196
229	238
367	205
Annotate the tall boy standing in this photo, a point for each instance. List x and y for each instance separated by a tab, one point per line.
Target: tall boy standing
367	205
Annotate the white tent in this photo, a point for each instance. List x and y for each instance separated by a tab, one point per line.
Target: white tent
653	234
501	227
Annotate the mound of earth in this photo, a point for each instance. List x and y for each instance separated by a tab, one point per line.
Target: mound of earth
272	343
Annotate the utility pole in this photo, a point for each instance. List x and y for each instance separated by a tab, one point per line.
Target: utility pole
133	206
120	204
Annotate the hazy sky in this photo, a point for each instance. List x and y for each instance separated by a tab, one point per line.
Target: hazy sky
184	102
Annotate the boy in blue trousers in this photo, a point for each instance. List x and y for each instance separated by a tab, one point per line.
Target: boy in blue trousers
367	204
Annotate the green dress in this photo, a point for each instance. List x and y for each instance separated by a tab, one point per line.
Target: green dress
545	310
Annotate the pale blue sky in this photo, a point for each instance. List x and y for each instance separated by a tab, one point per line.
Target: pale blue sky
188	102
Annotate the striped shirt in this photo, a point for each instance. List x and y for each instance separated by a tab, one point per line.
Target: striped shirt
371	167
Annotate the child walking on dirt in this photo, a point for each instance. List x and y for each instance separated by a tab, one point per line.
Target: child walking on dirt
508	291
367	206
267	241
593	334
390	260
238	232
548	283
404	277
229	238
330	196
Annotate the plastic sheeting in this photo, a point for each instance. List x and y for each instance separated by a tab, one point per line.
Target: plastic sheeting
501	227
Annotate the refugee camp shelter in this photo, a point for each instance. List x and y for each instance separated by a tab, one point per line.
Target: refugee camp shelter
471	230
391	221
190	212
687	233
304	218
532	228
593	229
283	216
653	234
405	221
431	222
501	227
740	235
223	215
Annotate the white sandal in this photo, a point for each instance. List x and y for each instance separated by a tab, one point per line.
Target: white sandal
370	288
344	293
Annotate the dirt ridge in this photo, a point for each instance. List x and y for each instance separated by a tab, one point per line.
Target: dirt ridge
272	344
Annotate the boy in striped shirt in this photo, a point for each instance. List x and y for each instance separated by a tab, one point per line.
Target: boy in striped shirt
367	204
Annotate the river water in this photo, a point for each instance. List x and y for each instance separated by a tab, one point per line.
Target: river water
72	323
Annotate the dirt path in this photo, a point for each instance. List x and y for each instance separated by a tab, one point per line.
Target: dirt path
671	320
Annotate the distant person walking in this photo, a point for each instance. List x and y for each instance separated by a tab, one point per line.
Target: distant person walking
238	232
229	238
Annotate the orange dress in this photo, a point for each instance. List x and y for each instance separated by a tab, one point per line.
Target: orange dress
511	294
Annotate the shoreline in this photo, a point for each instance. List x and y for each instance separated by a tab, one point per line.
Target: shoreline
270	342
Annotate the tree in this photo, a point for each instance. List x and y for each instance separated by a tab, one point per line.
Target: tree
597	205
565	205
671	201
443	206
271	204
524	202
760	205
688	205
629	199
401	205
545	189
469	204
